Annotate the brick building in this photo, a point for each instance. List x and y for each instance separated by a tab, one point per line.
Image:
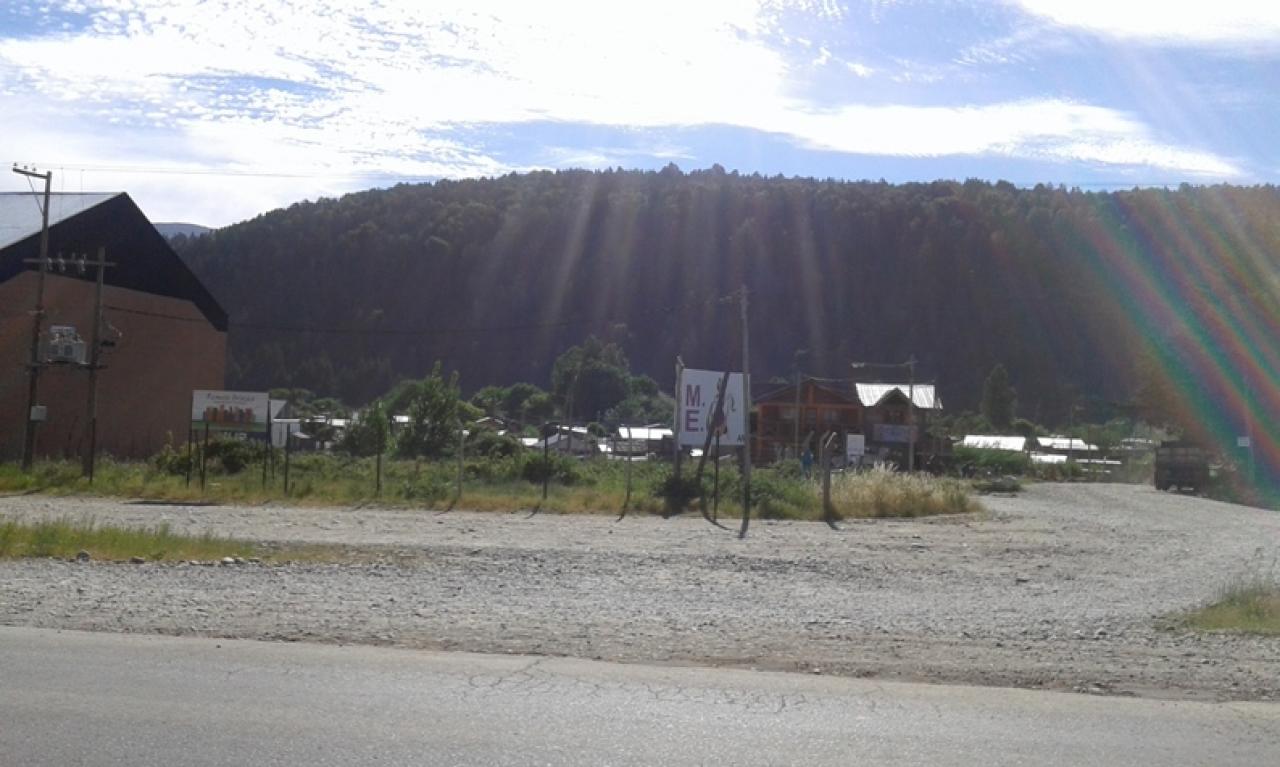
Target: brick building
164	333
819	409
877	411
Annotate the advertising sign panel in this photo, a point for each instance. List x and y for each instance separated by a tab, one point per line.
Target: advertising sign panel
235	411
885	432
694	409
855	446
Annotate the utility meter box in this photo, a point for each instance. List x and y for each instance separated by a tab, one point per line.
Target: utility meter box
63	345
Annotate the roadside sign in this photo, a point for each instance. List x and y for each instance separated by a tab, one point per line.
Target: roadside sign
1243	442
855	446
233	411
694	410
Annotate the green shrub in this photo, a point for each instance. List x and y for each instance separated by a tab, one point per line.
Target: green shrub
982	461
777	495
676	492
553	467
490	444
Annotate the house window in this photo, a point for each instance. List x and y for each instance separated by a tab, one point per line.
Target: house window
830	416
787	414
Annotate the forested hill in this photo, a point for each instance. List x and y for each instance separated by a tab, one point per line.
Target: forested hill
496	277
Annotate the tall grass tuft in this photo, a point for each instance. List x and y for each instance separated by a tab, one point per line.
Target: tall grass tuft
1248	603
65	539
880	492
504	484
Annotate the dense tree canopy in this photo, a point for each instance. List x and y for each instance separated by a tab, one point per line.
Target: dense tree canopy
497	277
999	399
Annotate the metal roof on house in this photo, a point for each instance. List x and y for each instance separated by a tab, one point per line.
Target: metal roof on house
923	395
647	433
20	215
1064	443
993	442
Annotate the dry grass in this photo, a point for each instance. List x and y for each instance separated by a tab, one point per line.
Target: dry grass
1249	604
64	539
884	493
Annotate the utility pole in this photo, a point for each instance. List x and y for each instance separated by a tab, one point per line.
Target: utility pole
746	431
33	372
911	408
795	358
676	432
95	357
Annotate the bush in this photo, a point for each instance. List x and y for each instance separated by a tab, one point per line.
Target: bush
884	493
979	461
490	444
554	467
775	494
171	460
230	456
676	492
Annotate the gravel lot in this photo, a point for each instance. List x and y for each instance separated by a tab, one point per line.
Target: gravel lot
1063	587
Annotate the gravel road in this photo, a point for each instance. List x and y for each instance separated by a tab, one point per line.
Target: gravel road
1069	586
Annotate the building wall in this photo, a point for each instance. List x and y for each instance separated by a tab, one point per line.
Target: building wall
820	411
144	392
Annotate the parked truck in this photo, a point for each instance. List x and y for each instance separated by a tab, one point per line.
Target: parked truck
1182	465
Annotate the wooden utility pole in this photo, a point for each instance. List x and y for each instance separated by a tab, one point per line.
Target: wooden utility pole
795	358
824	450
546	463
94	364
911	409
629	456
462	446
33	372
676	432
746	431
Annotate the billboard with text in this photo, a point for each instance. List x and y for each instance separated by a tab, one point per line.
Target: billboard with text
694	409
236	411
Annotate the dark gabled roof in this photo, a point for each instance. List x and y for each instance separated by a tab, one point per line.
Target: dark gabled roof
80	224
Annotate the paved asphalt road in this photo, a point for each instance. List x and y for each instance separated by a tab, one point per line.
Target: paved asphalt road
69	698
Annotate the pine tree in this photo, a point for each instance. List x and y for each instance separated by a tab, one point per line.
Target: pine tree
998	398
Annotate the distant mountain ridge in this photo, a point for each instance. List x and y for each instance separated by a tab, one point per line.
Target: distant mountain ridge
1069	289
172	229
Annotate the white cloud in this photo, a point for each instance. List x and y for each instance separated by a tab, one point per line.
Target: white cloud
861	70
326	89
1222	22
1060	130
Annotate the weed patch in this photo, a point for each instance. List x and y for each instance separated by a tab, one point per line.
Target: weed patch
1250	604
884	493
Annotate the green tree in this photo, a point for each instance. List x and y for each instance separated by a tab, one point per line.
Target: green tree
490	400
590	379
369	434
435	411
999	400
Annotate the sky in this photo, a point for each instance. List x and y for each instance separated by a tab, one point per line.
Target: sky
213	111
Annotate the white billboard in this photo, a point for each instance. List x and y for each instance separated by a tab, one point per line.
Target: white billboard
242	411
855	446
694	409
